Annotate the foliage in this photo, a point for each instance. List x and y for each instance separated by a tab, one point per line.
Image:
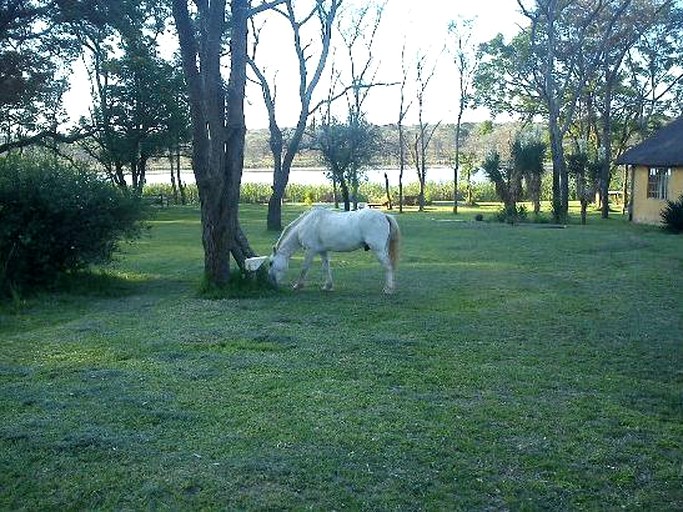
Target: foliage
141	112
512	214
258	193
507	179
503	78
346	149
596	71
56	219
672	216
33	55
528	153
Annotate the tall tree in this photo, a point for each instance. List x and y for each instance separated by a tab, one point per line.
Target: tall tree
528	154
628	22
346	148
404	107
546	67
508	182
137	114
218	124
33	56
358	37
284	150
136	106
425	131
465	65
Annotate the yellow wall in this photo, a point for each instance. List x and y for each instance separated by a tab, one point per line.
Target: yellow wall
647	210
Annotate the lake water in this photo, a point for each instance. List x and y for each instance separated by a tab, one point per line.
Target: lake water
316	176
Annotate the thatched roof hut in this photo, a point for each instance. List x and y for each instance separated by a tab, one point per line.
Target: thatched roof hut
663	149
656	170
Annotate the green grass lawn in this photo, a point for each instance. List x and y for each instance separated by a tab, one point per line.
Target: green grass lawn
521	368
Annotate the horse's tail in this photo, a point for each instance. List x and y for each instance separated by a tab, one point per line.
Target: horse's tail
394	240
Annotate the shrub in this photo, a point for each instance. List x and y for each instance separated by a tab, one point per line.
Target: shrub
298	193
672	216
56	218
255	193
512	214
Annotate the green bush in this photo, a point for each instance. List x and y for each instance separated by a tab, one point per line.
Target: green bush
672	216
259	193
512	214
255	193
56	218
309	194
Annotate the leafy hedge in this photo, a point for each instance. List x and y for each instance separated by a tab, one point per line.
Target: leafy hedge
56	218
259	193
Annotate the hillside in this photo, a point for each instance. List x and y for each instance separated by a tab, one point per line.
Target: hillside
439	152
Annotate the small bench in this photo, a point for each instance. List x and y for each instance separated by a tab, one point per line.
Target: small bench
378	205
160	200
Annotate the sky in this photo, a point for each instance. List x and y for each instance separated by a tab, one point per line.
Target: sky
421	25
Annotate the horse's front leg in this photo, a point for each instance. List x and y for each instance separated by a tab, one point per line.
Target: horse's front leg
327	271
308	259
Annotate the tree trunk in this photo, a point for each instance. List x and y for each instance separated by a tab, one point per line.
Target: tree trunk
559	174
236	129
560	185
386	188
345	195
181	185
280	179
174	187
457	151
218	147
401	163
607	146
624	191
335	193
455	189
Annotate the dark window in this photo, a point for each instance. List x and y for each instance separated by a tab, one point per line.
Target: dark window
658	183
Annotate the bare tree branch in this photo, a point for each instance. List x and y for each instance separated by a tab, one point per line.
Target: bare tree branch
265	6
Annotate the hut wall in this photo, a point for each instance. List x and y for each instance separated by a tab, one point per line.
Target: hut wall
647	210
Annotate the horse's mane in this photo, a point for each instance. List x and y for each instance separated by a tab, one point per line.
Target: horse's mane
289	227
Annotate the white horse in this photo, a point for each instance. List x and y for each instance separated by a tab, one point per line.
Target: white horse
319	231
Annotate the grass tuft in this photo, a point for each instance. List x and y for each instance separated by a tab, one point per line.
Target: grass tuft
241	286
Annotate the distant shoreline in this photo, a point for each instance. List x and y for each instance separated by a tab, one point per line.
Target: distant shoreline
312	175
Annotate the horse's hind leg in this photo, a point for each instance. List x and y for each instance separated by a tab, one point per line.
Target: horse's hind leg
308	259
328	286
385	260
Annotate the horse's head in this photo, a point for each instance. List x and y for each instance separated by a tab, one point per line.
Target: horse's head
279	264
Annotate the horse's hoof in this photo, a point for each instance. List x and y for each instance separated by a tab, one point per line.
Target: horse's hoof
327	288
388	291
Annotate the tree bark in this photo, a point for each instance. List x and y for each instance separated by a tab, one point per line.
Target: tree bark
218	128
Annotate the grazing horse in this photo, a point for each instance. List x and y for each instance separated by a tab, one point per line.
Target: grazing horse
319	231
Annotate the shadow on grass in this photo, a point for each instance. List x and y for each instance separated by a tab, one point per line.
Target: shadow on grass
101	284
80	289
